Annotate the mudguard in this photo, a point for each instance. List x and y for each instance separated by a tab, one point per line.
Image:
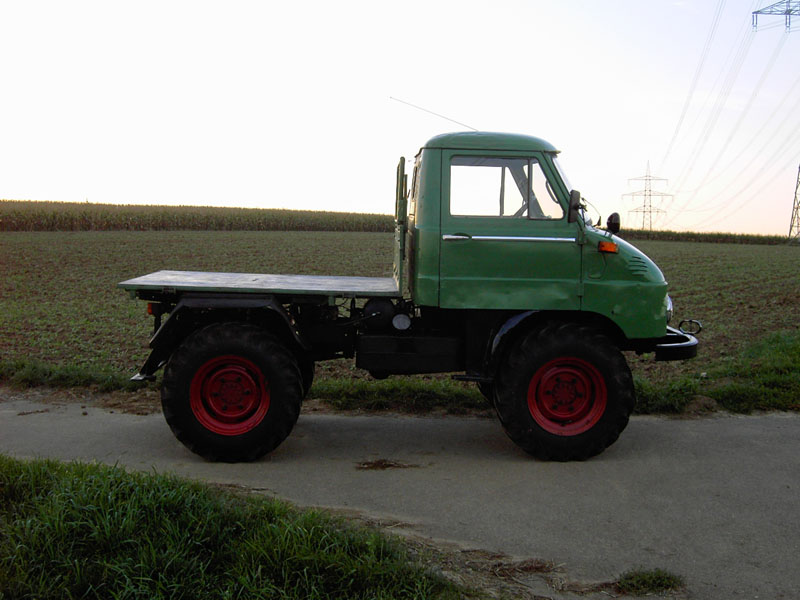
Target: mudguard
193	312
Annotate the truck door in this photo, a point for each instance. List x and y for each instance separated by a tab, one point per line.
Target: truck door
505	241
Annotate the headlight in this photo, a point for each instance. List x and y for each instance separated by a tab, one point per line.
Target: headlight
669	308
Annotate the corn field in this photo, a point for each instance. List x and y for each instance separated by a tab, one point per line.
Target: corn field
74	216
20	215
691	236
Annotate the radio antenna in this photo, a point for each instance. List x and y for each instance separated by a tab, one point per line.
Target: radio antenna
433	113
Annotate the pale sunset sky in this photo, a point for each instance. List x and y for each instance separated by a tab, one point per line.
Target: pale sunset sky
289	104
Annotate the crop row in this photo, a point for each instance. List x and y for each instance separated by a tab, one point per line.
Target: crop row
75	216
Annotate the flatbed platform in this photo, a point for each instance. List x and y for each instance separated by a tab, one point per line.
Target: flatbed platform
169	282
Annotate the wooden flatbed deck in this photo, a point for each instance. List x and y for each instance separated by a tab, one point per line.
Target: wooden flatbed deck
254	283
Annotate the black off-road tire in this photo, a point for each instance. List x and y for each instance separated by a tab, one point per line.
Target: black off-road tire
564	392
307	370
231	392
487	391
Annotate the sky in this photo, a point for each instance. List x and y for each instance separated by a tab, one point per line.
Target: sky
306	105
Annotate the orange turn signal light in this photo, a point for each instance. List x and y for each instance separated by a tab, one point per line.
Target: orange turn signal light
609	247
150	308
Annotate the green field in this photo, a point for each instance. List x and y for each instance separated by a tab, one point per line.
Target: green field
64	322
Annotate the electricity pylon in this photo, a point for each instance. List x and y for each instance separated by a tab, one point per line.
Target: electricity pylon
794	227
784	7
646	209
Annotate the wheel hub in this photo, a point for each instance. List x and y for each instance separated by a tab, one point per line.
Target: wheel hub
229	395
567	396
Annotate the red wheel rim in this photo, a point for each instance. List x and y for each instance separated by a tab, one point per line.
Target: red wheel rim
567	396
229	395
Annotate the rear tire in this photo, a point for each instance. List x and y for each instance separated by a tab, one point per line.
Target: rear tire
564	393
231	392
307	370
487	391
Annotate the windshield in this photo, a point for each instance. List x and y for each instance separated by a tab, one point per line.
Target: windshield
565	179
562	173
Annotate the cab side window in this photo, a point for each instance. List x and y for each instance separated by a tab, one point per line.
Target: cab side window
484	186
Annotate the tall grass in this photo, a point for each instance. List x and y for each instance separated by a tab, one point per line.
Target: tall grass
90	531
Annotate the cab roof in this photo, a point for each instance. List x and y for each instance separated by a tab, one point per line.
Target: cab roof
486	140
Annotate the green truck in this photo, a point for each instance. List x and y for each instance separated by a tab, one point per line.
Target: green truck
498	277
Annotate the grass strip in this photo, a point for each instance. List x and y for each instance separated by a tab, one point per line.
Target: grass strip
671	397
404	394
641	582
92	531
410	394
764	376
30	373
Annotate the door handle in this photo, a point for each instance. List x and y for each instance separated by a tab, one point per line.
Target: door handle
449	237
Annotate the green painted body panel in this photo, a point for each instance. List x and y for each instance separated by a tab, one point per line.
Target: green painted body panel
400	225
425	229
485	140
480	262
627	287
507	262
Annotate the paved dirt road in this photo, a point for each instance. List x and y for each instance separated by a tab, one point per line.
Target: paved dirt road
714	499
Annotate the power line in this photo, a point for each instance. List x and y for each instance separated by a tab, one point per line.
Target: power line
767	69
742	115
761	172
432	113
716	111
786	7
719	92
768	137
695	79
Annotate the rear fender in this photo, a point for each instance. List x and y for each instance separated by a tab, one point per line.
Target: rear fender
193	313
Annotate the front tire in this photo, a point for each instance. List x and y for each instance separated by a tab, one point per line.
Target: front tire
231	392
564	393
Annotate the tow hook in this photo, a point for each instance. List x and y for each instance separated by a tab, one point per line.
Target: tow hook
690	326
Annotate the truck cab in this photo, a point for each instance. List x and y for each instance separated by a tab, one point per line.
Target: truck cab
491	227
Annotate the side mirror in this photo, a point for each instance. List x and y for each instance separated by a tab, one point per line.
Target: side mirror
613	223
574	206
